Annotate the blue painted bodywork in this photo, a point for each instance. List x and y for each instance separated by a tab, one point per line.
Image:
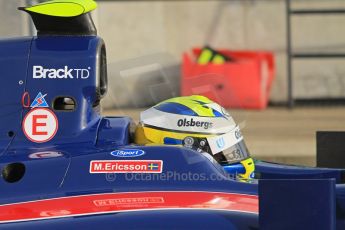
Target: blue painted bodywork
85	135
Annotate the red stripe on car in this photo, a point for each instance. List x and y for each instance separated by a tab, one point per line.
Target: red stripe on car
124	202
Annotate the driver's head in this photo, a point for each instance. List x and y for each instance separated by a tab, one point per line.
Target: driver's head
198	123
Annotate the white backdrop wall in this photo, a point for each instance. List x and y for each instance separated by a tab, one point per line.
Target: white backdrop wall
138	29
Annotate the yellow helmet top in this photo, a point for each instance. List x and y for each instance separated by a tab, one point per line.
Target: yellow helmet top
193	103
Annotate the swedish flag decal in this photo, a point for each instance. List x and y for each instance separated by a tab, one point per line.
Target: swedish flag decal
153	167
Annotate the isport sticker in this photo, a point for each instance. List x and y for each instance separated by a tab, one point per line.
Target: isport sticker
128	153
40	125
126	166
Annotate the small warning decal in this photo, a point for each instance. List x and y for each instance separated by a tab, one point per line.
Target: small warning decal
40	125
39	101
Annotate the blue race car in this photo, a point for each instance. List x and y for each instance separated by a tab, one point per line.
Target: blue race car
64	166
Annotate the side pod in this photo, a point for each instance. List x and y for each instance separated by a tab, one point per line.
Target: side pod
297	204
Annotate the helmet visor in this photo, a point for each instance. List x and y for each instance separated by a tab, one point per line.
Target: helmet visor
234	154
228	148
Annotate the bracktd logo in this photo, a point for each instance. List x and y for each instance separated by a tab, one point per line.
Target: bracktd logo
191	123
63	73
128	153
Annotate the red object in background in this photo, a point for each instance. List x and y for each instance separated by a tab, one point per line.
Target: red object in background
244	83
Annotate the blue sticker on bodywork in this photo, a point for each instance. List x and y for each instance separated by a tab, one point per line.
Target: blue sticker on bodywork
39	101
128	153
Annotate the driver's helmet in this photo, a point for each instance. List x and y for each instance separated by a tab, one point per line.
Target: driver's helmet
198	123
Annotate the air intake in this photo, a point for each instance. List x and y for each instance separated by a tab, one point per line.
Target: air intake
63	17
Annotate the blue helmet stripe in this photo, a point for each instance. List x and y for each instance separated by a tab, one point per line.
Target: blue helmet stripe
217	114
172	141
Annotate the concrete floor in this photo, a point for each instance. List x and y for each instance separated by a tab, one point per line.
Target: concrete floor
278	134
